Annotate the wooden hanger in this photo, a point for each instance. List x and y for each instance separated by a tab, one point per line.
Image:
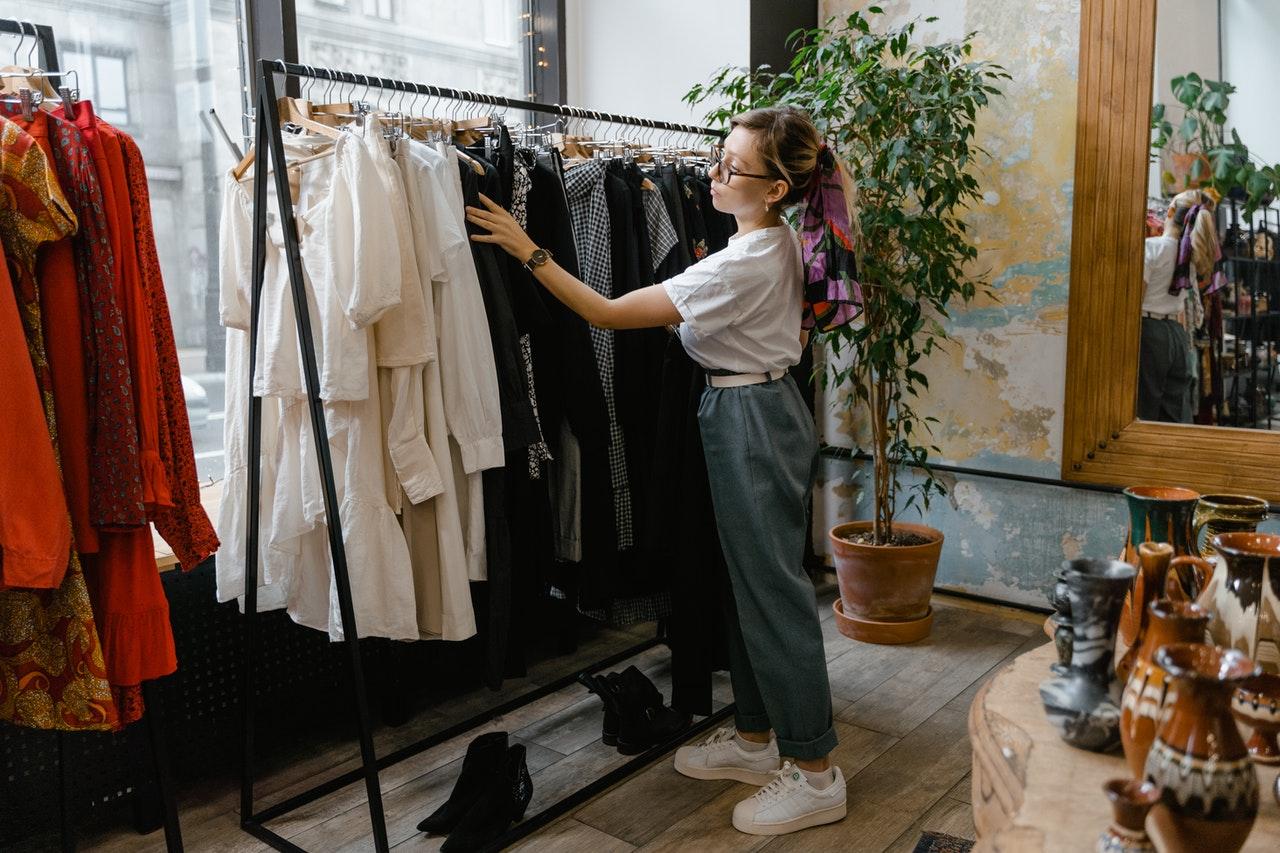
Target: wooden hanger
292	111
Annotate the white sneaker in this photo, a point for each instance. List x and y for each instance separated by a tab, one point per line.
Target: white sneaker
790	803
720	757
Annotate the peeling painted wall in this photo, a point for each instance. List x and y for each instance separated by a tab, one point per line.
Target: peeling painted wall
999	387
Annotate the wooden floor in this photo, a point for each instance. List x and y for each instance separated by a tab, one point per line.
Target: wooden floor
900	714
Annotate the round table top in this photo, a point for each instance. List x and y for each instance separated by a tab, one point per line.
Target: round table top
1033	792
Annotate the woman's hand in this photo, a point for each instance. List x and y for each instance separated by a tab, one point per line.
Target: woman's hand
503	229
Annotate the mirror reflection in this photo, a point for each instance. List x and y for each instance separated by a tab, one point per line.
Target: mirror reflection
1211	273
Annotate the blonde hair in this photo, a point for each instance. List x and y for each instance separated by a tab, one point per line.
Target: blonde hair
792	148
1204	234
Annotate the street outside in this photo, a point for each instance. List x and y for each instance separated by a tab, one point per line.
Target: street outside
205	411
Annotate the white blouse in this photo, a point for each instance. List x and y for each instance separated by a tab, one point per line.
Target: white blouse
742	305
352	269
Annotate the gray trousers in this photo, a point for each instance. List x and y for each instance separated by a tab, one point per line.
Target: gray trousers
762	453
1164	372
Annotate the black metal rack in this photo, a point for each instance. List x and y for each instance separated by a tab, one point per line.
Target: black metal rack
1250	372
270	150
45	50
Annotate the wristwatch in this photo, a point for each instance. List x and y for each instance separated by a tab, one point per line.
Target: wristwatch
537	259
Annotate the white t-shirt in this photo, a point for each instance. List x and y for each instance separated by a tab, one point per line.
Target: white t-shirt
742	305
1161	256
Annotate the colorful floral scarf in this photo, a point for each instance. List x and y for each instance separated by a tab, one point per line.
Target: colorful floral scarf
832	295
1182	275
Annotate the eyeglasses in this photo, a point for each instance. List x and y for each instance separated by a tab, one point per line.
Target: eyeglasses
725	172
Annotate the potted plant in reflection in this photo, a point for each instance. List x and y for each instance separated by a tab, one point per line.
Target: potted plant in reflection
903	116
1199	152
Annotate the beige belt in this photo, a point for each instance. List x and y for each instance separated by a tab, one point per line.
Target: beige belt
737	380
1154	316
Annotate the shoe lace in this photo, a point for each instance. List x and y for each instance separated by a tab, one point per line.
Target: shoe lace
722	735
783	783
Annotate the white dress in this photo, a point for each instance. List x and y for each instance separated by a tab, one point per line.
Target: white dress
463	419
353	277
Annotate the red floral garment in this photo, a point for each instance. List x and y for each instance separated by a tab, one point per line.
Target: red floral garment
109	164
115	477
185	525
51	669
61	309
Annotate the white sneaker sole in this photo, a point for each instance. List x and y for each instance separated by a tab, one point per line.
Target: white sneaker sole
736	774
818	818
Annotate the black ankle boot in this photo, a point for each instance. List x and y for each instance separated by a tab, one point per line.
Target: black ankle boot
506	795
600	687
645	720
486	756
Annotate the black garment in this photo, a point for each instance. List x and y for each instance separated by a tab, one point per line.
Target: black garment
569	390
519	429
694	223
672	194
683	535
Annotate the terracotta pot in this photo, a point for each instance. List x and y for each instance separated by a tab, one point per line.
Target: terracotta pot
1209	797
1256	703
1145	691
1083	703
1226	514
1179	171
1245	596
885	589
1156	514
1131	799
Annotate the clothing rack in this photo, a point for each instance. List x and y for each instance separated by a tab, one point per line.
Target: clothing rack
145	801
270	147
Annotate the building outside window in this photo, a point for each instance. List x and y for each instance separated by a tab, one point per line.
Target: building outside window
152	67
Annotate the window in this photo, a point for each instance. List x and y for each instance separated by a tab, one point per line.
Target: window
151	67
457	43
102	79
378	9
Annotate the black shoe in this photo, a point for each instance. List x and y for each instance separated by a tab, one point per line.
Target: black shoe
486	756
506	795
644	719
600	687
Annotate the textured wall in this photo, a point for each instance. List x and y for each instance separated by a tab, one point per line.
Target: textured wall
998	388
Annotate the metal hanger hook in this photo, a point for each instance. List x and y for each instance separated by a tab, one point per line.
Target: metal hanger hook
35	42
22	36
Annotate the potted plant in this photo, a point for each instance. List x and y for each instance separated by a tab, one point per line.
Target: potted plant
902	115
1199	152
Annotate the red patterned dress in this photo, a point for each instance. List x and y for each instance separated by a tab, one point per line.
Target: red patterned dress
51	669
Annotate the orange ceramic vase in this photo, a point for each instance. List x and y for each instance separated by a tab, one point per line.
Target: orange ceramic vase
1147	687
1156	514
1209	787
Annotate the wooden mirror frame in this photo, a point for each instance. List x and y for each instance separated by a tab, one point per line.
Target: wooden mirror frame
1103	441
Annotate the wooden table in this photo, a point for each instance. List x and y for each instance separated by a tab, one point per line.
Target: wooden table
1032	792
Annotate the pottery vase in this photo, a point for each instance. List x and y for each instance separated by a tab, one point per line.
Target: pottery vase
1156	514
1083	702
1131	800
1155	561
1061	622
1225	514
1209	797
1145	691
1244	595
1256	704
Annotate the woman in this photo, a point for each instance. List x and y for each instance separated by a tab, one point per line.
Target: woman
740	312
1175	264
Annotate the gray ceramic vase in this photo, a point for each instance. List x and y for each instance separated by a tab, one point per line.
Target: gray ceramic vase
1082	700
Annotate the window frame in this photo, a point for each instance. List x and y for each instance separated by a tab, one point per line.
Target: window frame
272	33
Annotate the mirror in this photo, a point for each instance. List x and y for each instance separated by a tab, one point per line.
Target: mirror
1103	441
1210	311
